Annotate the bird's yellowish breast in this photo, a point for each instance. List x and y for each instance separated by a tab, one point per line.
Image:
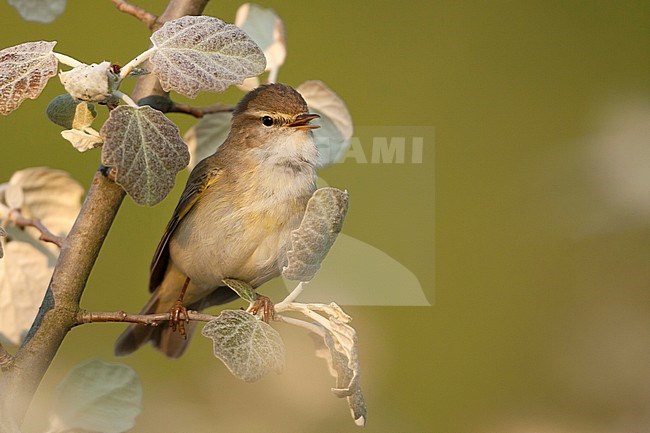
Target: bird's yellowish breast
241	228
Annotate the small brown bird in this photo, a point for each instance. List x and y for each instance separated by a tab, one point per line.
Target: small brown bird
235	216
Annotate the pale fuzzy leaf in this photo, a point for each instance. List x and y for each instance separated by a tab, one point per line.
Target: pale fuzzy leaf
3	234
25	272
333	137
93	83
358	273
4	209
84	116
195	54
146	150
347	370
358	408
70	113
337	342
266	28
81	139
24	72
347	380
207	135
51	196
249	347
318	230
9	423
321	97
42	11
243	289
249	84
97	396
14	196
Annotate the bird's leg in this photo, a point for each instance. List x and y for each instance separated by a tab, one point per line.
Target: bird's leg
178	309
264	306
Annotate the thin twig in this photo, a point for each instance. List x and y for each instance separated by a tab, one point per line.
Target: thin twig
136	11
84	317
199	112
67	60
22	222
280	306
317	329
6	360
126	98
138	60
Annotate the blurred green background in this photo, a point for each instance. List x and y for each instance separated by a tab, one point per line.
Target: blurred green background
527	223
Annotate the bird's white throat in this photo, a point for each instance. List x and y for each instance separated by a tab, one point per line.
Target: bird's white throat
287	165
292	149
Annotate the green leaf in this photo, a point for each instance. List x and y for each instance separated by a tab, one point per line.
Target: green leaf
243	289
146	150
62	109
194	54
318	230
138	72
249	347
24	72
97	396
70	113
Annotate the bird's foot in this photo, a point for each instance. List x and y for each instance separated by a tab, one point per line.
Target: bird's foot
179	317
264	307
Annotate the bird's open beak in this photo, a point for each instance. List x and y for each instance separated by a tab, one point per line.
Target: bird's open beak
302	121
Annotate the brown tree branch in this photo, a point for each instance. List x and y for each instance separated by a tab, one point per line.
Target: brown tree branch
84	317
199	112
58	311
143	15
6	360
46	236
3	234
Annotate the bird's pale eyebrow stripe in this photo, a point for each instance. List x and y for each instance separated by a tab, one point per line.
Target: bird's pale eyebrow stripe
274	114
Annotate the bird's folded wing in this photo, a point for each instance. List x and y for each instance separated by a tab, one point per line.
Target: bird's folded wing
202	177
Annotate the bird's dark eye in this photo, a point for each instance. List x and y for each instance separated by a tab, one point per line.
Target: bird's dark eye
267	121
